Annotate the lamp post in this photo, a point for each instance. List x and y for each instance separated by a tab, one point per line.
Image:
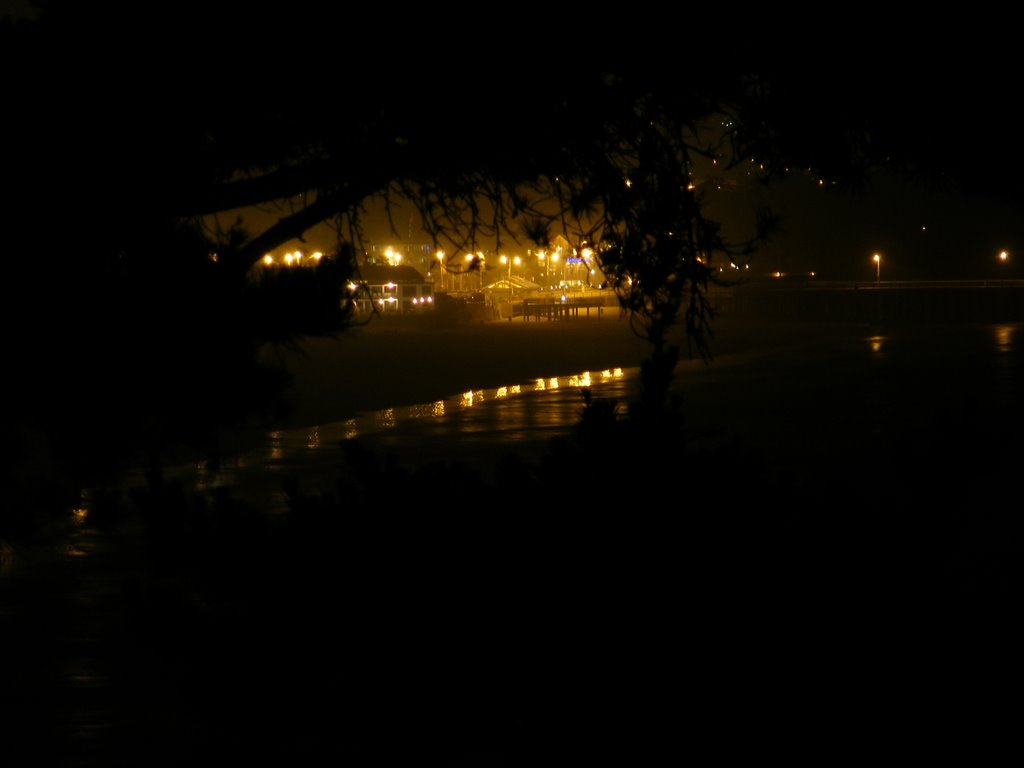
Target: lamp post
877	258
506	260
440	267
464	281
587	255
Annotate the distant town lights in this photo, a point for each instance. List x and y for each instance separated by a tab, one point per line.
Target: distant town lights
292	259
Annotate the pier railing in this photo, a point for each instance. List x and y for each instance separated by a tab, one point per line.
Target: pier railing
813	300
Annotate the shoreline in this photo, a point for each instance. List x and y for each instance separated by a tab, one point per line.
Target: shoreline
391	364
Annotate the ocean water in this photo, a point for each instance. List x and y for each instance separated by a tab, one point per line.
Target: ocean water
858	404
113	664
473	428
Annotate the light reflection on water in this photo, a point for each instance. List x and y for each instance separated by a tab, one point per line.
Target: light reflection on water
839	394
842	401
474	427
1004	337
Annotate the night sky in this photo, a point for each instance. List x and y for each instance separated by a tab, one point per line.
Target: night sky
924	231
942	100
950	201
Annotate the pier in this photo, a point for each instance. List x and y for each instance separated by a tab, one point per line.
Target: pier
988	301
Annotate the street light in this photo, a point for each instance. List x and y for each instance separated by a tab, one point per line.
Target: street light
506	260
877	258
463	280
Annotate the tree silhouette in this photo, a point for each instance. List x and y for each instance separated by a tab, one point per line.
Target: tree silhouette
132	321
116	179
126	146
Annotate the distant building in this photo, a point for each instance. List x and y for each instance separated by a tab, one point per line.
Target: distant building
392	289
421	256
507	286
